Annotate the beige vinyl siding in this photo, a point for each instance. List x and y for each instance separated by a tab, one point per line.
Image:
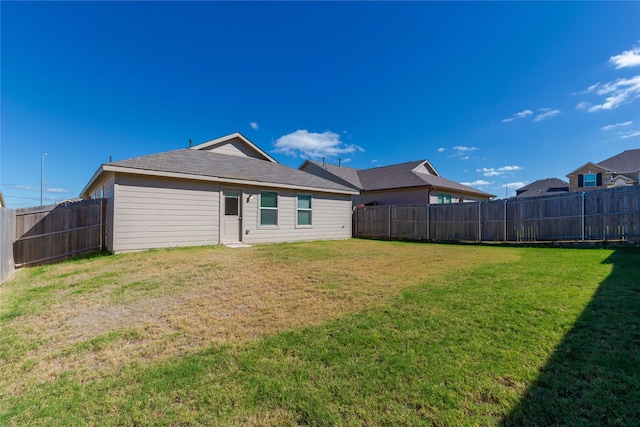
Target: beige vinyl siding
160	213
331	218
235	147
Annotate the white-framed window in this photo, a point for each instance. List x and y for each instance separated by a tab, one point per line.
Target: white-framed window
268	209
589	179
304	210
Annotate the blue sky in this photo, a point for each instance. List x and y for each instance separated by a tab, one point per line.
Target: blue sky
495	95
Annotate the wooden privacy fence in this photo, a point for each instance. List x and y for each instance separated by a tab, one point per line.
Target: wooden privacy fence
599	215
56	232
7	236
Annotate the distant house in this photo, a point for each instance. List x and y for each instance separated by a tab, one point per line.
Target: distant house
543	187
620	170
226	190
407	183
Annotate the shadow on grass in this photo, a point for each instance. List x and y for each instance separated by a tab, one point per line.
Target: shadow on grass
593	378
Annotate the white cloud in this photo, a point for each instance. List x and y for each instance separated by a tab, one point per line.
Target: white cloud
498	171
616	92
464	149
628	58
521	115
631	134
616	125
476	183
57	190
514	185
463	152
305	144
441	150
23	188
546	115
254	125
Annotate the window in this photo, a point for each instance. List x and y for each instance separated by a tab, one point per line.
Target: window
444	198
590	180
304	209
231	204
268	208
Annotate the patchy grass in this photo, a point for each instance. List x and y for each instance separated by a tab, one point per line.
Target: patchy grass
325	333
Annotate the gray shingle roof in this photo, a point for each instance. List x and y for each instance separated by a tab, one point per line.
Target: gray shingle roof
625	162
208	164
542	187
401	175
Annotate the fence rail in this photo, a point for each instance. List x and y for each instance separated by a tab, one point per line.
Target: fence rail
600	215
56	232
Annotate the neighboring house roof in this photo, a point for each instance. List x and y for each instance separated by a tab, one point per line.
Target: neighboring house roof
418	173
627	162
543	187
204	165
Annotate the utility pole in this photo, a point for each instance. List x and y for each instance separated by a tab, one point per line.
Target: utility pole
42	180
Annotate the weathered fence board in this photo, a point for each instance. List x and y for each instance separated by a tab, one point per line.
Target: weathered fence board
52	233
7	237
601	215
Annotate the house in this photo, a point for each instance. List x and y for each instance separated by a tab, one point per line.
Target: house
414	182
222	191
543	187
620	170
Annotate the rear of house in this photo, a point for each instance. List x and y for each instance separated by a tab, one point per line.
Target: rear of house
223	191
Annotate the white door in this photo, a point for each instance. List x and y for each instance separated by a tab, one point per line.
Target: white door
232	222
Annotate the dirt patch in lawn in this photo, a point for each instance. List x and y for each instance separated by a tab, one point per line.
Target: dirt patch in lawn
93	317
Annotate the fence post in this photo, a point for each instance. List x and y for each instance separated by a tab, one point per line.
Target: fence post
582	217
428	224
389	221
505	220
479	222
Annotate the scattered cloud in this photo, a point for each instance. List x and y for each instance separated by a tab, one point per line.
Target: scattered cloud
463	152
521	115
254	125
630	134
305	144
57	191
374	161
617	93
514	185
23	188
616	125
548	113
498	171
441	150
628	58
476	183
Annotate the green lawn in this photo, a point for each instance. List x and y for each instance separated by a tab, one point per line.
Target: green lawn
325	333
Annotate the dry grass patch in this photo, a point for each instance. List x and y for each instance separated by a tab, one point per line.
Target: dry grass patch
89	318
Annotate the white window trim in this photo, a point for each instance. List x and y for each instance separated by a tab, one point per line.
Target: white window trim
304	209
269	227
